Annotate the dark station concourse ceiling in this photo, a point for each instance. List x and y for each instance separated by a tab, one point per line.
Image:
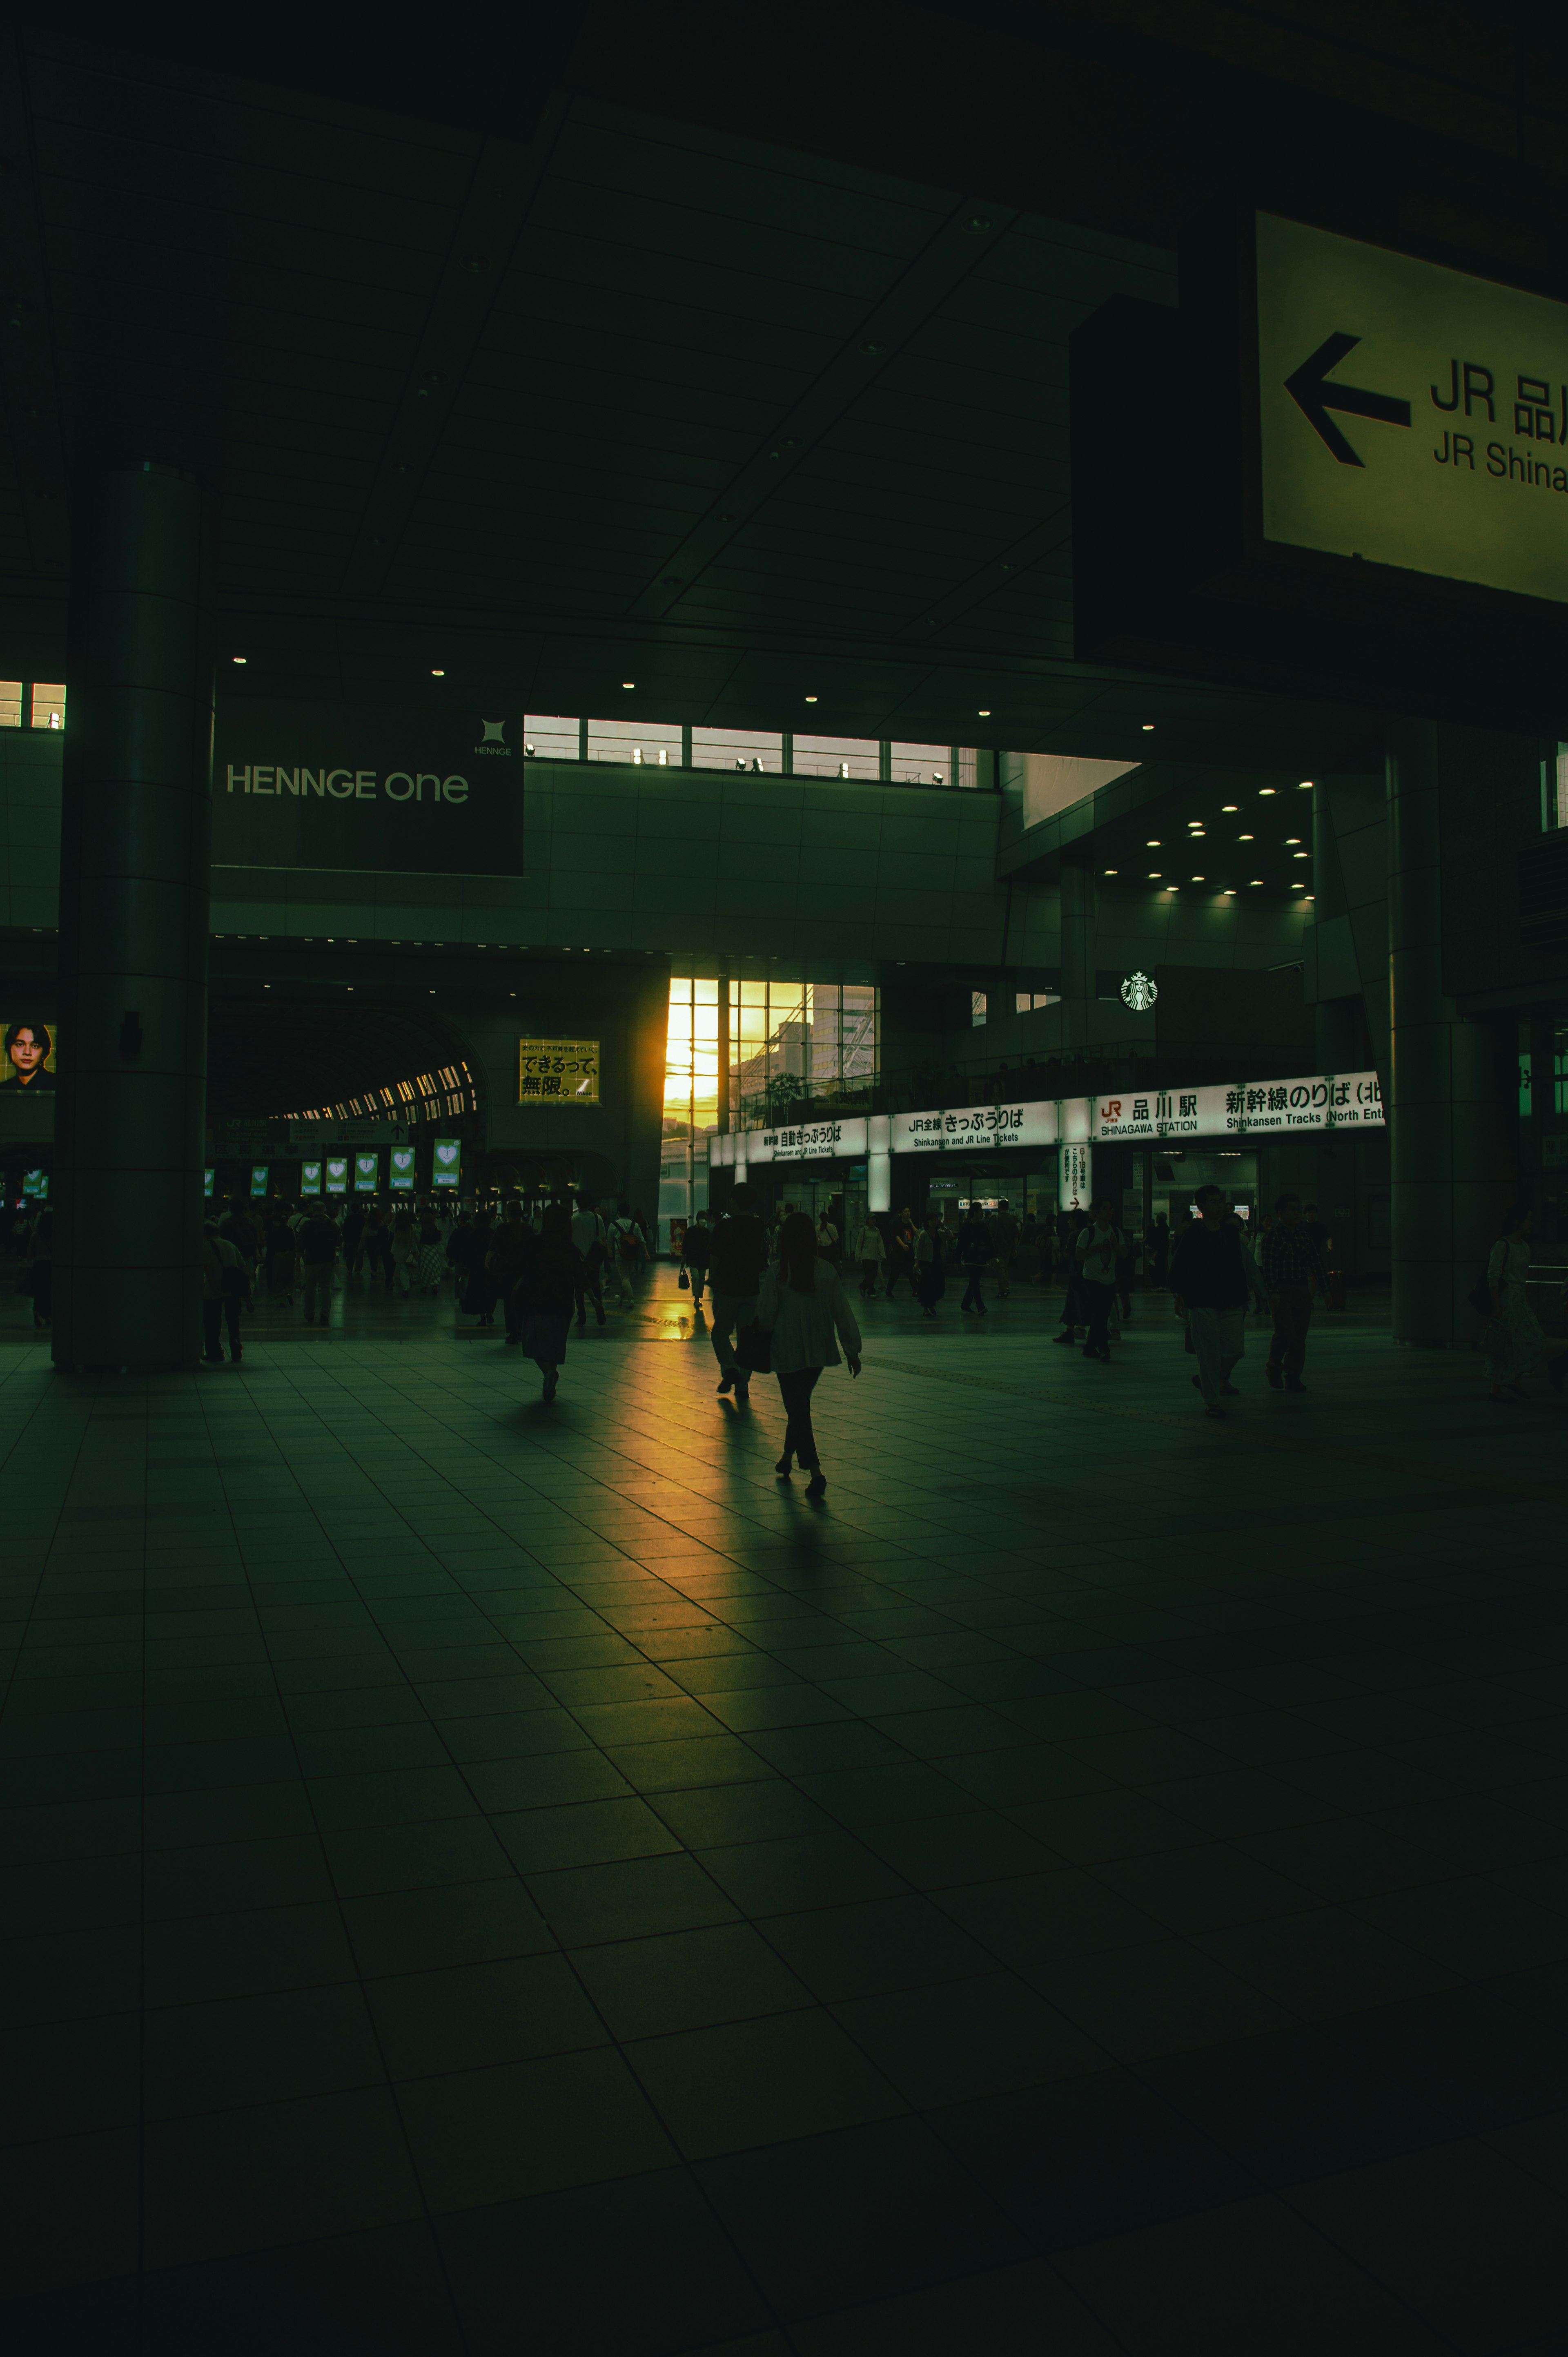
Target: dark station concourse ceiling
517	352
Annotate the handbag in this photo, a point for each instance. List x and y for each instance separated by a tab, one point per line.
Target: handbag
754	1348
684	1282
1496	1342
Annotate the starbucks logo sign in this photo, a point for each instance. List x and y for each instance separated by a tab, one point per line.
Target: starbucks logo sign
1139	993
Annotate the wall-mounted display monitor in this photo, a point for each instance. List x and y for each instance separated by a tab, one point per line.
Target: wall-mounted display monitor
337	1174
402	1166
310	1177
366	1173
446	1162
36	1184
27	1056
258	1179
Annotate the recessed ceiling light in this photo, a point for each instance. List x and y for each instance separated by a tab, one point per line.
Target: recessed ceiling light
1148	728
437	674
1200	879
1298	854
239	659
1153	842
629	682
1254	879
1265	789
1110	871
1155	874
1305	786
985	712
1231	806
1293	838
1246	838
811	699
1298	886
1229	893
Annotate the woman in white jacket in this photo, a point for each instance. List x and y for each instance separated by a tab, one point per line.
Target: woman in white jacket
802	1303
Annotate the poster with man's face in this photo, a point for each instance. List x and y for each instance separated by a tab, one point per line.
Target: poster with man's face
27	1056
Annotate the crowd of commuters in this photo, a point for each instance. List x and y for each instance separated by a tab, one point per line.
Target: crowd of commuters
542	1267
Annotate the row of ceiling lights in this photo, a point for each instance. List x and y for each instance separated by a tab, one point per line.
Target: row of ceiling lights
628	685
1195	834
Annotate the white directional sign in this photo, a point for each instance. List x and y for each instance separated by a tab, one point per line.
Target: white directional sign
1410	414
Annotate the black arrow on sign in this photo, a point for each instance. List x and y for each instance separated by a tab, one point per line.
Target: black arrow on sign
1314	395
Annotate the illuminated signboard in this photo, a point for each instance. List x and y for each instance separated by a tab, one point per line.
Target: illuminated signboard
337	1174
558	1071
366	1173
310	1177
446	1162
1409	415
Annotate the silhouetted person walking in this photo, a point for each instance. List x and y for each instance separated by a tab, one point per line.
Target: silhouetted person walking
802	1303
1294	1274
1209	1282
739	1256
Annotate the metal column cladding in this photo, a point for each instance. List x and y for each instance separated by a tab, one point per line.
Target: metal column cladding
133	950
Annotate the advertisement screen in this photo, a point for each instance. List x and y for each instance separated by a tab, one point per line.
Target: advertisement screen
208	1177
446	1162
258	1179
337	1174
431	790
402	1166
310	1177
366	1171
36	1184
28	1063
558	1071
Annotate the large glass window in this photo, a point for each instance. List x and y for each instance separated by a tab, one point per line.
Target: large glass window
792	1041
10	703
551	737
48	705
655	742
921	765
836	757
1554	790
759	750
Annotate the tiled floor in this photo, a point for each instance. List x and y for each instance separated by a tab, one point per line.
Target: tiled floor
483	1877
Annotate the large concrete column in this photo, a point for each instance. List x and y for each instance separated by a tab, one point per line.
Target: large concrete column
1449	1149
132	949
1077	952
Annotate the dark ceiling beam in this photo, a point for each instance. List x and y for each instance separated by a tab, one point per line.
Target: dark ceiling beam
1132	116
30	385
505	179
965	237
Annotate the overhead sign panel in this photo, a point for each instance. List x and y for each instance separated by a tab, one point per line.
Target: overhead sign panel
970	1127
428	791
810	1141
1410	414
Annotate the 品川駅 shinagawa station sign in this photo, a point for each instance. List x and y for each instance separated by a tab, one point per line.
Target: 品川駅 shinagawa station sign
1238	1108
1410	414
